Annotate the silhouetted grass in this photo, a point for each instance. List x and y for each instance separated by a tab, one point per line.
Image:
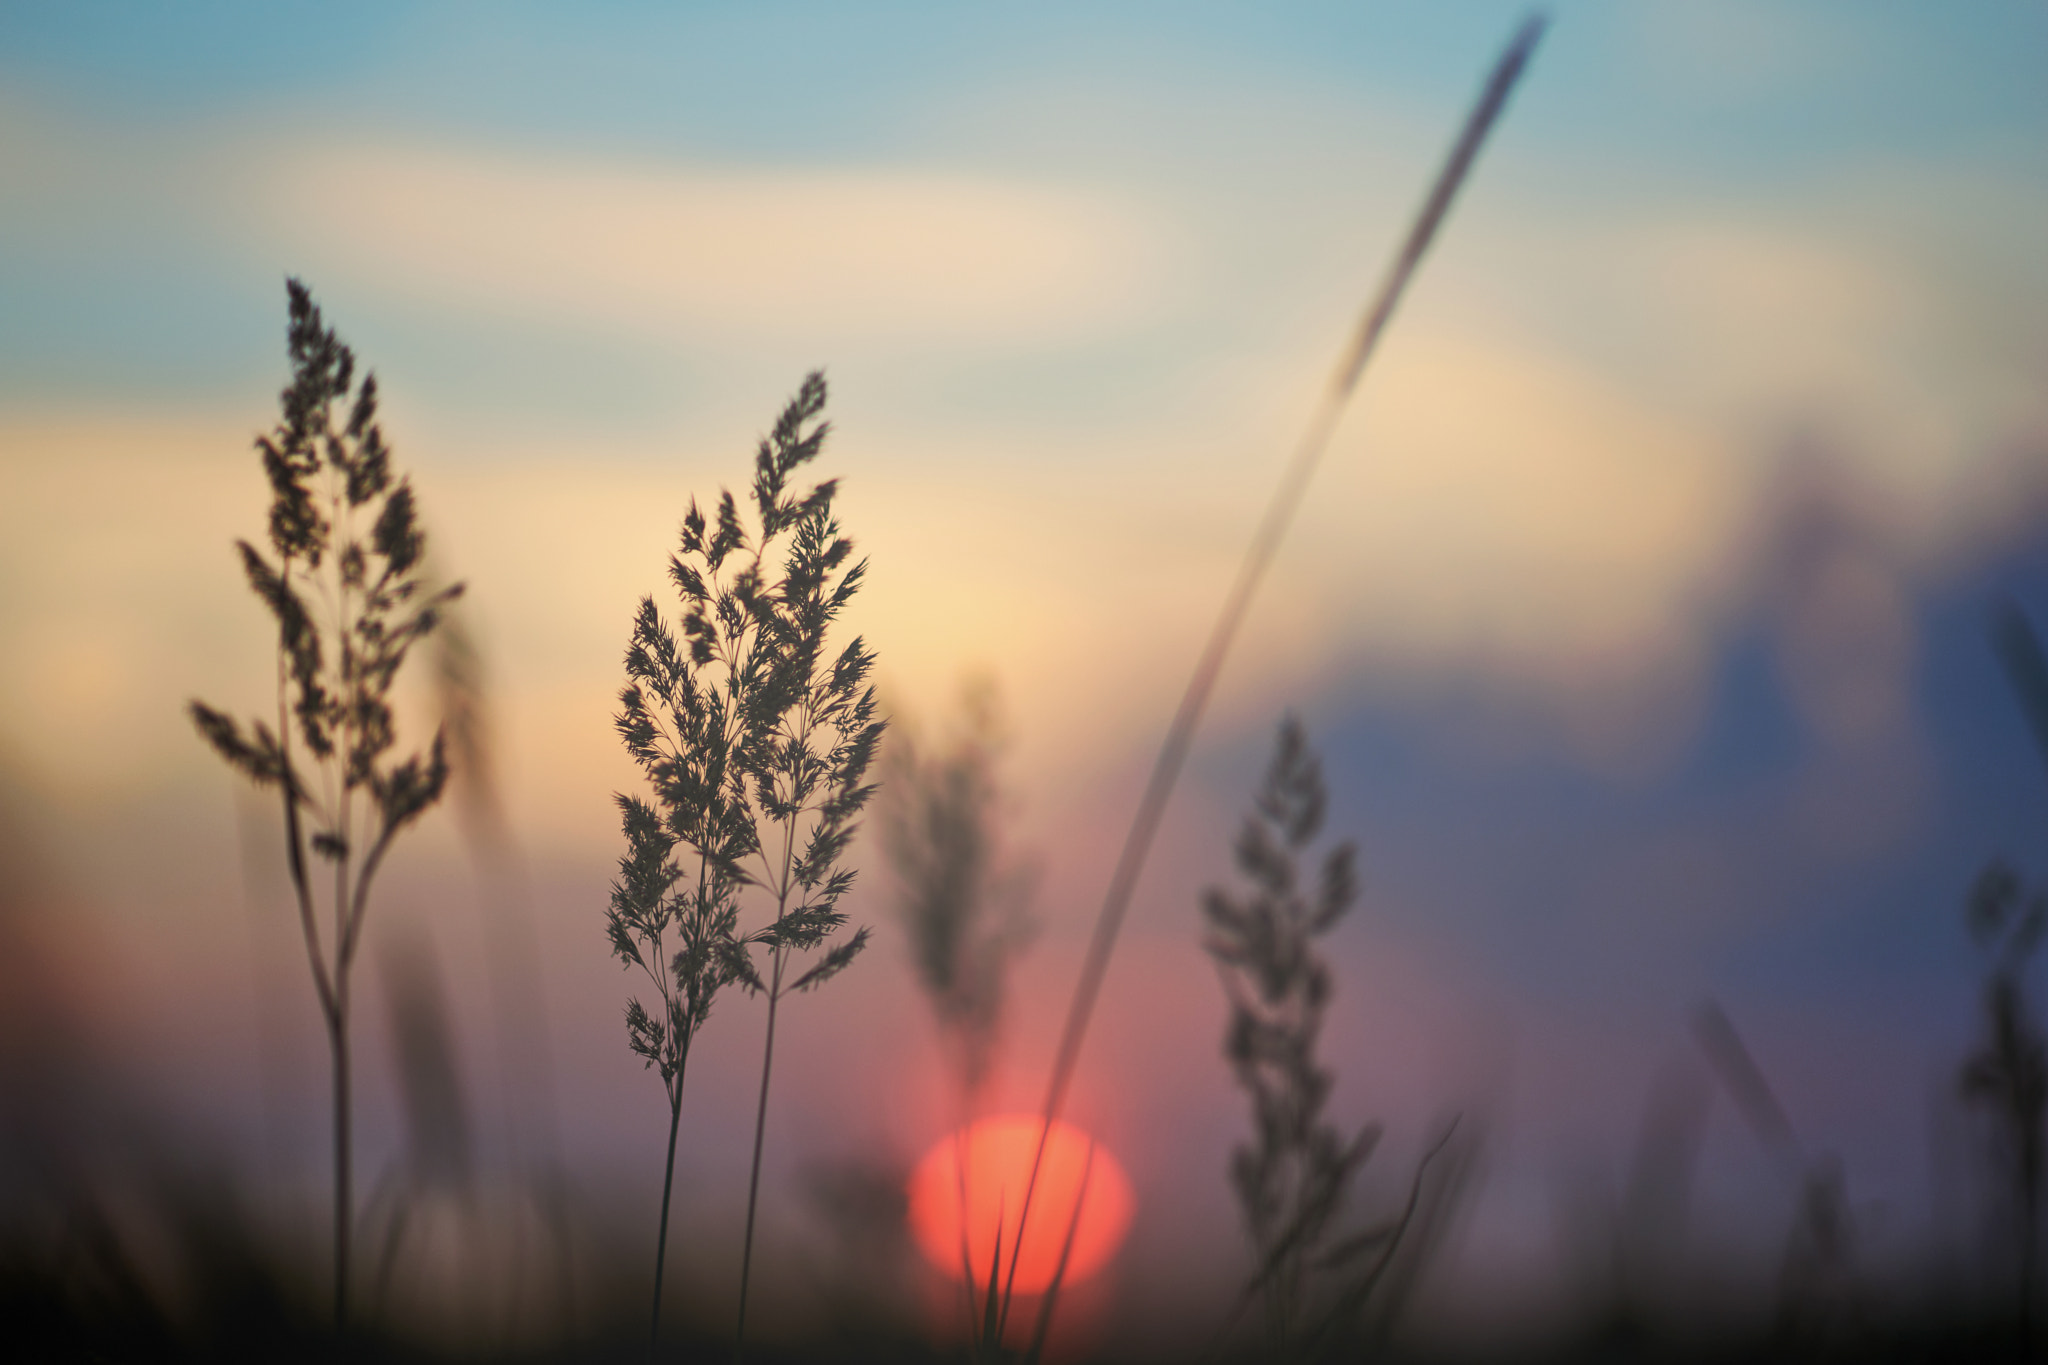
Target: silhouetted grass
1293	1176
349	606
755	741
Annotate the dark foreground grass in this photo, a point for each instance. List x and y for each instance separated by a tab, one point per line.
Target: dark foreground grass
121	1244
239	1307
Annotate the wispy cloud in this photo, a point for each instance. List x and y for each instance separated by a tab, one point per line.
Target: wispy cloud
840	254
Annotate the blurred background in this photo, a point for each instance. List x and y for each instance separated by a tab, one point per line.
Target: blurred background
1640	613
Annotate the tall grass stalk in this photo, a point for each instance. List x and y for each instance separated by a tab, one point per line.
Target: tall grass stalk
343	584
755	743
1265	544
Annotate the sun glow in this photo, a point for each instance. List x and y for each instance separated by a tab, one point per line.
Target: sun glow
1081	1207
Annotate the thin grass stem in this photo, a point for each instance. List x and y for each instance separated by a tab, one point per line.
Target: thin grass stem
739	1343
338	1041
1355	1299
668	1182
1265	544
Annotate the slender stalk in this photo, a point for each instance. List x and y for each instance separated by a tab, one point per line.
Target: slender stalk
324	984
326	576
668	1181
777	958
337	1035
660	973
344	933
1265	544
739	1342
1362	1290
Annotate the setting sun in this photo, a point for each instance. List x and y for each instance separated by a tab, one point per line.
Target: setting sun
1082	1194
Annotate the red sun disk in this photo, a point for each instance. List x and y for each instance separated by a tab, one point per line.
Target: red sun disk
1081	1192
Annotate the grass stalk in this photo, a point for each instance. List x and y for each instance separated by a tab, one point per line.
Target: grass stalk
344	1203
739	1335
668	1184
334	725
1265	544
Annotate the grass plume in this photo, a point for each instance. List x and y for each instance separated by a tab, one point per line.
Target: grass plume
1292	1177
343	584
755	742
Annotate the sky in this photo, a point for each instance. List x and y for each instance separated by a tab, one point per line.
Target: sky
1638	611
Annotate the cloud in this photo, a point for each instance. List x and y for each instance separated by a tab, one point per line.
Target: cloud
1784	319
1499	516
1555	465
846	253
